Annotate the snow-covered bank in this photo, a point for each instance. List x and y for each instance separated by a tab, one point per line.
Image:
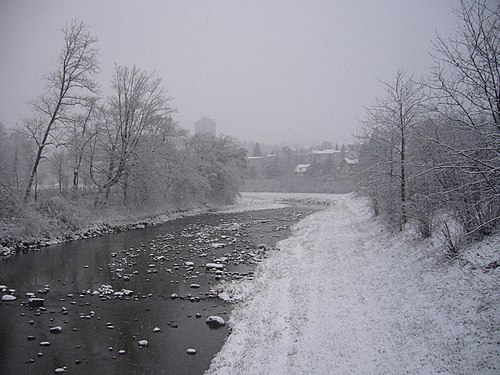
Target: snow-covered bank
342	296
83	224
88	227
265	201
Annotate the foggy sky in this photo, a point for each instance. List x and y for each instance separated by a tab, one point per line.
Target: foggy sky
270	71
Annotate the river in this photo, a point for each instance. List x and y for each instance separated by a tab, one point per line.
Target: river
105	295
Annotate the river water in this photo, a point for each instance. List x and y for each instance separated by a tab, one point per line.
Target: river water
109	293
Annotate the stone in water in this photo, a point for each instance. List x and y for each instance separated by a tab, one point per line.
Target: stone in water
215	321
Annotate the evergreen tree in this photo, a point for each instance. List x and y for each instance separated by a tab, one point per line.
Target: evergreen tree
256	150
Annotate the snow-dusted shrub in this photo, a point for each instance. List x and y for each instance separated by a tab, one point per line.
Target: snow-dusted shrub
453	237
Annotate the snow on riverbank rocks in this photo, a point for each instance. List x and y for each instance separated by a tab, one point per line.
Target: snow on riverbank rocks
216	248
6	251
10	246
247	202
7	297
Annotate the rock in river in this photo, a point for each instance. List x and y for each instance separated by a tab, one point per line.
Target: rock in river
214	265
8	297
56	329
215	321
36	302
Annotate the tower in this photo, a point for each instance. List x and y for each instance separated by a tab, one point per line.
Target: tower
205	125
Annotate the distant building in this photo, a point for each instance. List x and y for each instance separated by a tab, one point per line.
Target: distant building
301	169
321	156
205	125
333	156
348	166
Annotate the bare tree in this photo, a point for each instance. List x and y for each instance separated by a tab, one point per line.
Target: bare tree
466	74
7	174
69	86
220	165
58	168
389	126
466	86
139	111
77	134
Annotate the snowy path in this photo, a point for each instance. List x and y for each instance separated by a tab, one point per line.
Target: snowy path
340	297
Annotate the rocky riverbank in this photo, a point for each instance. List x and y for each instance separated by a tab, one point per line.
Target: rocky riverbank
140	301
9	246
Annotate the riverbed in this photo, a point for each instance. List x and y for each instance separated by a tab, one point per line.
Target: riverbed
134	302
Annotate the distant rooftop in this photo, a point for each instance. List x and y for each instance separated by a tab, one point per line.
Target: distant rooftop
301	168
351	161
260	157
322	152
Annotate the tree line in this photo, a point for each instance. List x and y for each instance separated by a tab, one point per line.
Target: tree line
124	150
430	148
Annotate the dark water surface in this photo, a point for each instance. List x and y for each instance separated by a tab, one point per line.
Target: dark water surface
151	263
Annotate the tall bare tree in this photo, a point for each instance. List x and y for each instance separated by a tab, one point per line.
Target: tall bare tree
76	137
7	178
57	168
71	85
466	86
389	126
137	113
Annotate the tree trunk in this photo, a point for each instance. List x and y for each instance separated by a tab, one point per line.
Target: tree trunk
42	145
34	169
36	186
125	188
75	179
404	218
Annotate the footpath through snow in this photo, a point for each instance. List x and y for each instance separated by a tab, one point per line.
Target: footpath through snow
343	296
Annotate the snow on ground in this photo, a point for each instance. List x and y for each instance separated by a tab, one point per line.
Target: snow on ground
344	296
266	201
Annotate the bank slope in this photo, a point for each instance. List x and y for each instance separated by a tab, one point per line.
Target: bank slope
343	296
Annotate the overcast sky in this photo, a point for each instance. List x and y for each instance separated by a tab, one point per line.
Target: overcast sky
271	71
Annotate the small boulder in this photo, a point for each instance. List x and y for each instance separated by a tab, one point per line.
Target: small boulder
216	266
215	321
56	329
36	302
